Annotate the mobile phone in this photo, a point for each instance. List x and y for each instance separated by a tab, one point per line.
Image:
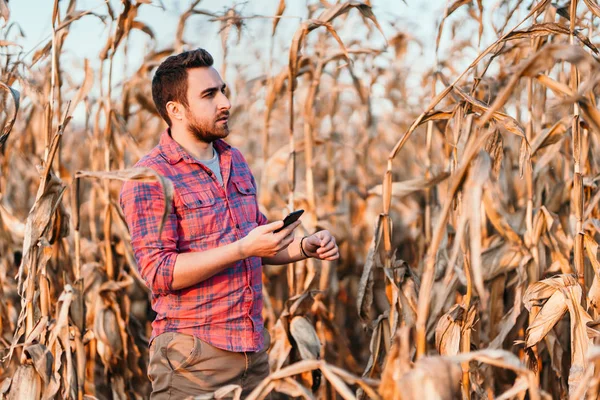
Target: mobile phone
290	219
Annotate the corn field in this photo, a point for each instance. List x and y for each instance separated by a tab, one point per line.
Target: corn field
468	224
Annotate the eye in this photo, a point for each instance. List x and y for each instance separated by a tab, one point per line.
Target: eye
210	94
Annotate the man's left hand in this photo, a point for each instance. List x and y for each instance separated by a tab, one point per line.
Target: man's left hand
321	245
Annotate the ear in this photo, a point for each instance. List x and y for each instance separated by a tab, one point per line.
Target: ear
175	110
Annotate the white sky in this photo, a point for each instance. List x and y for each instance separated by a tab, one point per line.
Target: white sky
418	18
88	35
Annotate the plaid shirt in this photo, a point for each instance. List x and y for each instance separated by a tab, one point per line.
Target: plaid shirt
226	309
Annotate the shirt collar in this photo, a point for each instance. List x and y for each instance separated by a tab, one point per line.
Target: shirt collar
173	151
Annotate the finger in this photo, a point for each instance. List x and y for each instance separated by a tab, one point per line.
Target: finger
284	244
288	229
324	234
290	237
330	257
293	226
329	252
289	240
325	239
313	240
285	235
326	248
273	226
284	241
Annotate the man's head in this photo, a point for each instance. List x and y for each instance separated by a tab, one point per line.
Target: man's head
190	94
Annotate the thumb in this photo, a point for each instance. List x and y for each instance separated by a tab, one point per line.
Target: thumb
314	241
273	226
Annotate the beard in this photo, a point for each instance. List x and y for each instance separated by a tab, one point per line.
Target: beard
209	130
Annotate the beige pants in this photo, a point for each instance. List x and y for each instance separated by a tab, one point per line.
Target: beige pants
183	366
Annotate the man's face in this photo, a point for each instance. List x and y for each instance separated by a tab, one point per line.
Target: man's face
207	114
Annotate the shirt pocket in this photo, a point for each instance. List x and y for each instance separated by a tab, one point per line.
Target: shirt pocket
198	214
246	199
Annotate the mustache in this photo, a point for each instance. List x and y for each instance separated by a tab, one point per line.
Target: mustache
223	115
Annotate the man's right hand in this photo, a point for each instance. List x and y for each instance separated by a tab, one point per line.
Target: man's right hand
262	242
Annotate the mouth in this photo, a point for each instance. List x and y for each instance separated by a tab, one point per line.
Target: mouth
223	120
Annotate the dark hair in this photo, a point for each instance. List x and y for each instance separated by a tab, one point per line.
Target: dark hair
170	81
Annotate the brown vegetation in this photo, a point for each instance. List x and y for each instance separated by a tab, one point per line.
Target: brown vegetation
470	270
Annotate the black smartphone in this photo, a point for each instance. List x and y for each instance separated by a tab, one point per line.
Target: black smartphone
290	219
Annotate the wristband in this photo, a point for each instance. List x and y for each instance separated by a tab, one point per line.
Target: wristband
302	249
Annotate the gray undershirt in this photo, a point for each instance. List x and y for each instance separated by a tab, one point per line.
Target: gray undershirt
213	165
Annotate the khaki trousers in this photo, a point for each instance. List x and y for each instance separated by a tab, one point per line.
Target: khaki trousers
183	366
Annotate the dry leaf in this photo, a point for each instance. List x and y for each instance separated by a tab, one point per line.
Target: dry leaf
16	97
306	338
279	13
4	12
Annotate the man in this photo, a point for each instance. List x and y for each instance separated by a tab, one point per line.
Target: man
205	269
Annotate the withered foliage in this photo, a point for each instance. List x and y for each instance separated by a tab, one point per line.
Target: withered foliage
468	261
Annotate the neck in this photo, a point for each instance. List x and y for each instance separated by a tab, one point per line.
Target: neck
196	148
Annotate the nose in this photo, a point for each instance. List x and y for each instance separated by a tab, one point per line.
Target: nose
224	103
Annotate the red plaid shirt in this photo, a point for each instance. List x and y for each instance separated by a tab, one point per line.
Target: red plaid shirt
226	309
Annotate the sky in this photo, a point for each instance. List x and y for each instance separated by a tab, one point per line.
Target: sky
88	35
34	17
417	18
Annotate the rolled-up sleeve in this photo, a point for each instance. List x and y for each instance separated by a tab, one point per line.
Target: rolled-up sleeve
143	205
262	219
